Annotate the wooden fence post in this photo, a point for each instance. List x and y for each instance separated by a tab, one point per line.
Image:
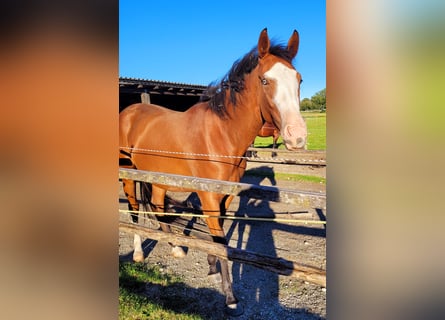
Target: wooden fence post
145	97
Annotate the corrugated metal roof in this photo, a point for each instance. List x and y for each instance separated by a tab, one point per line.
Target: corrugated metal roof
126	81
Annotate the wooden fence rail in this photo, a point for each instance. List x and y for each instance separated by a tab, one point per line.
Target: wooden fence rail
303	199
320	154
274	264
304	157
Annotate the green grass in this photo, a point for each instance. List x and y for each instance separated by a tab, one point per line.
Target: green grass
133	304
316	127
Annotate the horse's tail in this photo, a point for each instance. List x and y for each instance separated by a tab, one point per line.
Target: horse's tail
145	189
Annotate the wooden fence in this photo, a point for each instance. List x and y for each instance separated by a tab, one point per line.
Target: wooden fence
273	264
302	199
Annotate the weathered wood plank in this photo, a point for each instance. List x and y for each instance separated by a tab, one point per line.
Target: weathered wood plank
145	97
302	199
273	264
296	153
303	157
310	162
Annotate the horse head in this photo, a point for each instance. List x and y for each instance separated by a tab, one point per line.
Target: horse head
280	86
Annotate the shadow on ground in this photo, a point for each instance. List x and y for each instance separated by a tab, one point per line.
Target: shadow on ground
203	302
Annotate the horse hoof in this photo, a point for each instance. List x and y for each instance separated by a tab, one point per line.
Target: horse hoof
153	223
215	277
138	257
234	309
178	252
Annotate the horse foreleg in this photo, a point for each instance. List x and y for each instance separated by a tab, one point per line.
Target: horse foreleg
211	259
129	187
274	146
211	205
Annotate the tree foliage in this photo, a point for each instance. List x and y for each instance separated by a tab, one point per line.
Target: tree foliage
306	104
319	99
316	102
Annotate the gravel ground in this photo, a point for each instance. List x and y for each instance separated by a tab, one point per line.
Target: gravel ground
263	294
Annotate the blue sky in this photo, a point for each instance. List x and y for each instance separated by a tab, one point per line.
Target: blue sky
197	41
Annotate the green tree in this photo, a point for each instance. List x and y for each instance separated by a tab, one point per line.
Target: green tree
319	100
306	104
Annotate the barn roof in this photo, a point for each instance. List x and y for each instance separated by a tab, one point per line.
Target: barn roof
136	85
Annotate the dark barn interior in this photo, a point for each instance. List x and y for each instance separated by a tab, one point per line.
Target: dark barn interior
176	96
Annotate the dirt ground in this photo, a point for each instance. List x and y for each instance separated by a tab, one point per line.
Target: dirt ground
263	294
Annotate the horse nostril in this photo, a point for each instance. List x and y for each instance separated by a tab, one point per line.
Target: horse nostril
300	142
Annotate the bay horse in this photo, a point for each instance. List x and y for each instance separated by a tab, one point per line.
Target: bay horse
209	139
268	130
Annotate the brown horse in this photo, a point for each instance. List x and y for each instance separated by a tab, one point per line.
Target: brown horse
209	139
269	130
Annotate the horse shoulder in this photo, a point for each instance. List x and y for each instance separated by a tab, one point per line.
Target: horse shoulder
198	117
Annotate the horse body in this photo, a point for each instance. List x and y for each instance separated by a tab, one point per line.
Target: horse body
209	139
177	133
269	130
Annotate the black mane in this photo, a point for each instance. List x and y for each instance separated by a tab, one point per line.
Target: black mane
215	94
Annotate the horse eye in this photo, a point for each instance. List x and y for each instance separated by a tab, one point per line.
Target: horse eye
264	81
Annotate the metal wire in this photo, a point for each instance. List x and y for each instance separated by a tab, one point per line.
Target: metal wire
205	155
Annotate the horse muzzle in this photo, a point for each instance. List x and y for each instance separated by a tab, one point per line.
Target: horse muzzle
295	136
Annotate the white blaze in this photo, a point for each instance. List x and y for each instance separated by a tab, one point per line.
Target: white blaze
286	97
293	128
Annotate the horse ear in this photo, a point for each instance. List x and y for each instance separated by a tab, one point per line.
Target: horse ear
263	43
292	45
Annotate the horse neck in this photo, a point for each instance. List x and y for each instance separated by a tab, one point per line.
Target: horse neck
246	116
